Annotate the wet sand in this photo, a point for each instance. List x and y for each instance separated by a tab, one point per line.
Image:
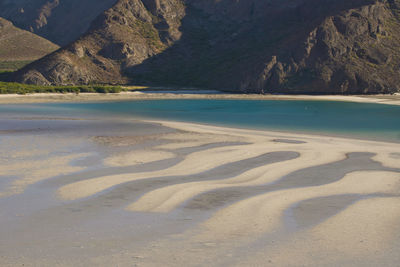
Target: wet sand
90	192
138	95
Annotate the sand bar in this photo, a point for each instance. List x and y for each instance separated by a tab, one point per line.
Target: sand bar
137	95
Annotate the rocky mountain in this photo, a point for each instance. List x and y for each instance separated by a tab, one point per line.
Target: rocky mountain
60	21
21	45
263	46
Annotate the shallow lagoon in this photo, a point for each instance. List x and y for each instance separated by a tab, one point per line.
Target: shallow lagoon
362	120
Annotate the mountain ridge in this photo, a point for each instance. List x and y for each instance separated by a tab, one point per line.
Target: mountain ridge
59	21
264	46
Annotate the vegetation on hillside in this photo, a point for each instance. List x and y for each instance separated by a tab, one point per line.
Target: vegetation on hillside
8	67
13	65
19	88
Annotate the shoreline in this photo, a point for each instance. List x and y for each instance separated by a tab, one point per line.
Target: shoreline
130	96
185	125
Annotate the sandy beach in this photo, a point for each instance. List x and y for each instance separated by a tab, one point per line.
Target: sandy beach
139	95
122	192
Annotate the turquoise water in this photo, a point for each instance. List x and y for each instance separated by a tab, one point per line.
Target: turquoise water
372	121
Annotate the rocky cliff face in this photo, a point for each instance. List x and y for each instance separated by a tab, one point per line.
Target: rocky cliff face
277	46
123	36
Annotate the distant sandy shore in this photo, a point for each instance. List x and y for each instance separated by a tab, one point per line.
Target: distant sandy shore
157	193
90	97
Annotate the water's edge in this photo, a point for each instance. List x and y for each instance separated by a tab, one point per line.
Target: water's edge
331	118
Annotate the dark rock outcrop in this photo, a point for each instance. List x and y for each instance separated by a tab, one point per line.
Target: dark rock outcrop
270	46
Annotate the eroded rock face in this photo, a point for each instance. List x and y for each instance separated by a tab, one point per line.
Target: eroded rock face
122	37
351	51
278	46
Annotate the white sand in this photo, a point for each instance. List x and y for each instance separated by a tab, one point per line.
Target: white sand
266	210
194	163
242	223
167	198
123	219
388	160
37	165
85	97
365	234
137	157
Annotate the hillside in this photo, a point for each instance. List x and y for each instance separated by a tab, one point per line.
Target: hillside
60	21
276	46
18	46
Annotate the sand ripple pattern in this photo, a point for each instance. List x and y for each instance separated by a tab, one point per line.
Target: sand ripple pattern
260	195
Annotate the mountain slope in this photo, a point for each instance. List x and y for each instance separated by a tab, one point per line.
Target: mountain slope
278	46
20	45
60	21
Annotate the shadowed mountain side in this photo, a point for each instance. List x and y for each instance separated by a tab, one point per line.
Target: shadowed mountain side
60	21
308	46
17	44
301	46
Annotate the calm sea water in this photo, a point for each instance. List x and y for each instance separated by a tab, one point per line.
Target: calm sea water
372	121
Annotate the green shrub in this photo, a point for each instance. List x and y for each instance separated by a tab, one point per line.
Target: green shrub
19	88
